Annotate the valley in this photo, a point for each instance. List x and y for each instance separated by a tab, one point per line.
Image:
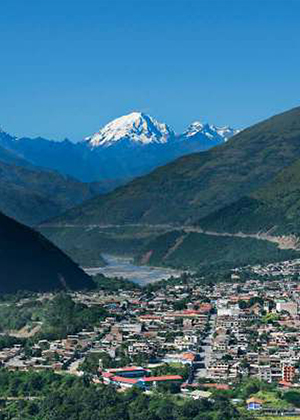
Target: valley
124	267
192	187
188	282
149	210
180	247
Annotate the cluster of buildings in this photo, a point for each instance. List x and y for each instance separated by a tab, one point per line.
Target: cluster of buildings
127	377
256	332
165	327
221	333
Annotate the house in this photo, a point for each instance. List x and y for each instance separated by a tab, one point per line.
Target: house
288	306
144	382
288	373
123	382
128	372
150	381
254	404
184	358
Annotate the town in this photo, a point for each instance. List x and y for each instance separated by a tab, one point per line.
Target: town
182	336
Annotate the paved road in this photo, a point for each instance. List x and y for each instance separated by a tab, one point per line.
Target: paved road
283	242
206	352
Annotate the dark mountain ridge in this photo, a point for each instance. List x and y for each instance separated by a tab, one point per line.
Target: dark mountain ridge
30	262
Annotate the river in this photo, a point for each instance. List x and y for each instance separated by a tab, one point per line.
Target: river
124	267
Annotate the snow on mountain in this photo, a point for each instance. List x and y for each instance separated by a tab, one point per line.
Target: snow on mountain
136	127
141	129
126	147
210	131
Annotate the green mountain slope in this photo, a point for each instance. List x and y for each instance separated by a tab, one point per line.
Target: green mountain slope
29	261
31	195
84	244
198	251
194	186
274	208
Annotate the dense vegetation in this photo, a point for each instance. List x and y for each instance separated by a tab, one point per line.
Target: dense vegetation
15	316
123	240
31	195
161	246
57	317
63	316
46	395
9	341
86	244
114	284
59	397
196	185
30	262
274	207
208	252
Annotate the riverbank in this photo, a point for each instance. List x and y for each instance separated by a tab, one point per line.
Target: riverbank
117	266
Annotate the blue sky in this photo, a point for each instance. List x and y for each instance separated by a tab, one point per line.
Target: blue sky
69	66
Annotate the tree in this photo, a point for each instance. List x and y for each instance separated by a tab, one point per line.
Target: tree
292	397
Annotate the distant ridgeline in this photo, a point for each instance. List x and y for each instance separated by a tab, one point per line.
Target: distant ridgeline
126	147
42	178
31	194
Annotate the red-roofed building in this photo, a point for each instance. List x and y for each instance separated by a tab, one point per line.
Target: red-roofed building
153	380
107	375
128	372
162	378
184	358
145	382
285	384
123	382
288	373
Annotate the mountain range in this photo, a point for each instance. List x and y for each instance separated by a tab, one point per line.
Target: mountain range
194	186
32	194
129	146
248	183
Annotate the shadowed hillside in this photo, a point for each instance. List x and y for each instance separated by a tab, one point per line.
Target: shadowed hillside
30	262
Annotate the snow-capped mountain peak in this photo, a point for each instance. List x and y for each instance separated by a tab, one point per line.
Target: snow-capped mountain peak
136	127
194	128
210	131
